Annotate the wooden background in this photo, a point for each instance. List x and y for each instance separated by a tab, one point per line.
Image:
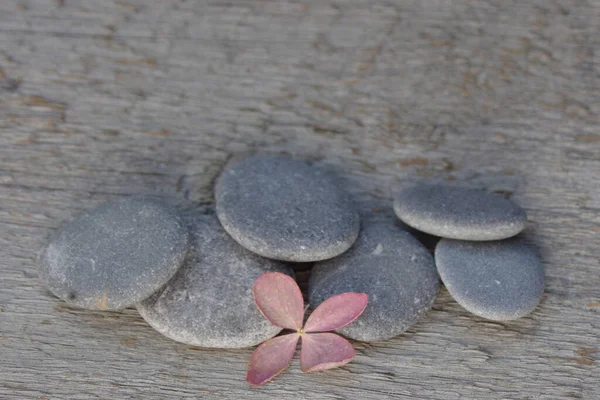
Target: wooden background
106	98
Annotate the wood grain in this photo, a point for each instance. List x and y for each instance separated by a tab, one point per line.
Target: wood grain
102	99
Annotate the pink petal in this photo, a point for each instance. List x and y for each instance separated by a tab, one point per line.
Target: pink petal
322	351
336	312
279	299
271	358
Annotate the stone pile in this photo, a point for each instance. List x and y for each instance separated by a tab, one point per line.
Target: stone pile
191	279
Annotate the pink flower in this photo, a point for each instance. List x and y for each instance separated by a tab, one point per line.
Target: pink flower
279	299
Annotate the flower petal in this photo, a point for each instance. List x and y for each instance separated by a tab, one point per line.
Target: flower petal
336	312
322	351
271	358
279	299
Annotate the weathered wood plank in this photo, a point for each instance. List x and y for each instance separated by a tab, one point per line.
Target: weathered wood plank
100	99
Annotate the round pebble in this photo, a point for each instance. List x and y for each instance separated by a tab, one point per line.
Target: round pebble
497	280
393	268
285	209
459	213
116	255
209	302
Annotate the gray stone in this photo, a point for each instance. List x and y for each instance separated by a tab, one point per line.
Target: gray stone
498	280
393	268
459	213
209	302
285	209
115	255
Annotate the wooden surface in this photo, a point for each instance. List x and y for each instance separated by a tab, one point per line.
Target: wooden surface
106	98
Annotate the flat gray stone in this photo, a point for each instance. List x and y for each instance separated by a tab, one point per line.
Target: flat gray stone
459	213
209	302
285	209
498	280
115	255
393	268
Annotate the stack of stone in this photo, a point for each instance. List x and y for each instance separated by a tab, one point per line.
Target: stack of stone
484	267
191	279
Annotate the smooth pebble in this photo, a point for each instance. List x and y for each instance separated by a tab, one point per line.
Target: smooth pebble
498	280
459	213
393	268
115	255
285	209
209	302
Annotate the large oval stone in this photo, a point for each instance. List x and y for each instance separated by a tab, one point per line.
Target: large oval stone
498	280
393	268
116	255
209	302
459	213
285	209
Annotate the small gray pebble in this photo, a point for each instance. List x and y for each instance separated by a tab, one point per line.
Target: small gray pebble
285	209
115	255
459	213
209	302
498	280
393	268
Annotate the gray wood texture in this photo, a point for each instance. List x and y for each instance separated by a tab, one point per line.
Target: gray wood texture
105	98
